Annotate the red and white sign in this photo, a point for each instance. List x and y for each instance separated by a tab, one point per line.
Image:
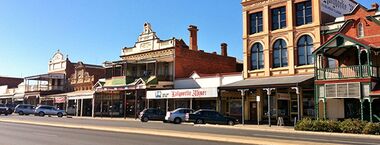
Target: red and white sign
183	93
59	100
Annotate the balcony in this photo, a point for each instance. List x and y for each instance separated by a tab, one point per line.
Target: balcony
347	72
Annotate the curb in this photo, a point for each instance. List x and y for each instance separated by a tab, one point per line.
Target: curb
255	128
169	133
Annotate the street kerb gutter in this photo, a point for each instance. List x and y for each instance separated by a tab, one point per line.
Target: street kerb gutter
168	133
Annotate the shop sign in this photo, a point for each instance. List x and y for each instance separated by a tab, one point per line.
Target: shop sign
183	93
337	8
59	100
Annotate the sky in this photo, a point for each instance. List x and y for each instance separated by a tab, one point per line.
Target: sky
94	31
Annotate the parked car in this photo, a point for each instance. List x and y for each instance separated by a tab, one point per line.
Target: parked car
210	116
9	106
24	109
151	114
43	110
4	110
178	115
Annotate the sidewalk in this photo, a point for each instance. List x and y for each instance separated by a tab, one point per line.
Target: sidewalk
252	127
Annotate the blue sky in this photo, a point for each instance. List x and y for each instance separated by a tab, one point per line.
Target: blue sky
94	31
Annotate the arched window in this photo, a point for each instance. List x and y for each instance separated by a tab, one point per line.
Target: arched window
280	54
257	56
360	30
305	48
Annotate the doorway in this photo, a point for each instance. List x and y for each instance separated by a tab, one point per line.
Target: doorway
253	111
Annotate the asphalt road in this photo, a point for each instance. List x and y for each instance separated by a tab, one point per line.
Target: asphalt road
205	129
22	134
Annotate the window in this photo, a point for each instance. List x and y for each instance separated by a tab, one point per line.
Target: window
278	18
257	56
303	13
305	48
280	54
360	30
256	22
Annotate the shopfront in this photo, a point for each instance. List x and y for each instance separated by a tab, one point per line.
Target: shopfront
167	100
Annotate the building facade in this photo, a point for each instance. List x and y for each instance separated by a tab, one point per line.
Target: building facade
278	40
153	63
347	67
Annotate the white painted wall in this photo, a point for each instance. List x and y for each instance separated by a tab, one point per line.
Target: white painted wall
206	82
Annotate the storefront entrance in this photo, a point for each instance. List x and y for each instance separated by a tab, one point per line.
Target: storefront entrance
253	111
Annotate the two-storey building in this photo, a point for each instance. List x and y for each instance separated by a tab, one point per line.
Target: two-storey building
347	67
279	37
153	63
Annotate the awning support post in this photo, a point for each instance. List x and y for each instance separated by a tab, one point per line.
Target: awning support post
243	92
269	93
298	103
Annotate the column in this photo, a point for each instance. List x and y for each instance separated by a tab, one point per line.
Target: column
361	109
324	108
370	109
191	103
93	106
81	107
269	93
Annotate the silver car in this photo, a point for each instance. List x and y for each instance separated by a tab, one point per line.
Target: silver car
24	109
178	115
43	110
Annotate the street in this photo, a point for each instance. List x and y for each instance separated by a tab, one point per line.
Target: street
11	133
21	134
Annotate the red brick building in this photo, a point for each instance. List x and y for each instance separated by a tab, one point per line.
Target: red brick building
153	63
347	66
11	82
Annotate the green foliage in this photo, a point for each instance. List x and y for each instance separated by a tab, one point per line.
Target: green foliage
372	128
346	126
352	126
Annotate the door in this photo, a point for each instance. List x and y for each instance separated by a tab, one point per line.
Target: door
253	110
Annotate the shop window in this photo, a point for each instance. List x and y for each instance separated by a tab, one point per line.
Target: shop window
280	54
257	56
278	18
303	13
256	22
305	49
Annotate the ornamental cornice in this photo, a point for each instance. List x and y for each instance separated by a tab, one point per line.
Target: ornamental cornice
250	5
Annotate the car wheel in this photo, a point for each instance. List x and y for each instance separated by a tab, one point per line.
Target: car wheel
59	114
41	114
231	122
199	121
177	120
6	114
20	113
145	119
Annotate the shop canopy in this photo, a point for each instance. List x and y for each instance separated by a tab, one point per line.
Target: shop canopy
282	81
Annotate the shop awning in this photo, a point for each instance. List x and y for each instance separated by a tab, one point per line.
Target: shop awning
87	94
283	81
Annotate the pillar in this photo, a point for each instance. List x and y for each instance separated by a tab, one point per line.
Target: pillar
361	109
324	108
93	106
370	109
81	107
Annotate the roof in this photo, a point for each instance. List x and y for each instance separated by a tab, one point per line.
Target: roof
269	82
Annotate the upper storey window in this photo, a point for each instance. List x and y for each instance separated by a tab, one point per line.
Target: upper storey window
257	57
280	54
278	18
256	22
304	14
360	30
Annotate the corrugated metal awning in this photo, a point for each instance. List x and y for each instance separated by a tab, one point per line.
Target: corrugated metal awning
282	81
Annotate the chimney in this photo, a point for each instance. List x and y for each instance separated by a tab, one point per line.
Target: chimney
375	6
193	37
223	48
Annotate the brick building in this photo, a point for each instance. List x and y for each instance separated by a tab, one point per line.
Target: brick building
80	100
8	86
153	63
347	66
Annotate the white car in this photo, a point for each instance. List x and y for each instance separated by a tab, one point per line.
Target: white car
178	115
43	110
